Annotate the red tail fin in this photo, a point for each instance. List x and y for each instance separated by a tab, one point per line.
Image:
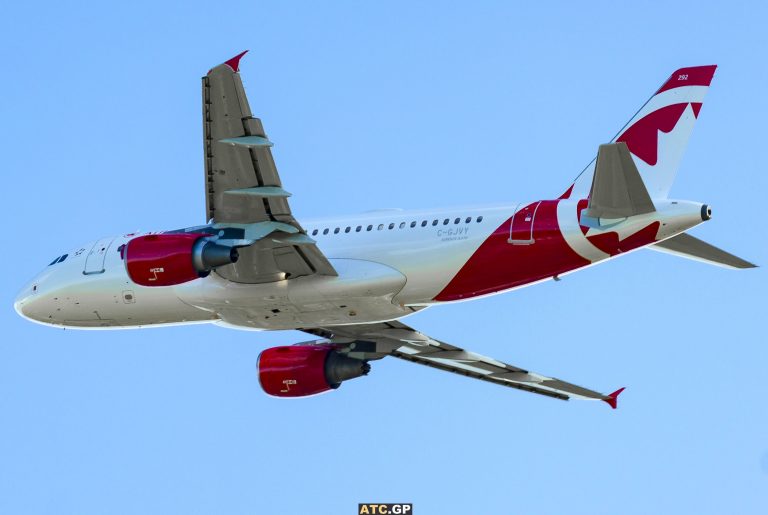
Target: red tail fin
658	134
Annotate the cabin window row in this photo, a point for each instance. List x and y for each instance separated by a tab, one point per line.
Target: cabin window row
401	225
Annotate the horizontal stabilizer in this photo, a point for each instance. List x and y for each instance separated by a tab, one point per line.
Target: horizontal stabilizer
685	245
617	188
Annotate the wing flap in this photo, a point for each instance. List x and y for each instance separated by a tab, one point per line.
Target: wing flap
483	377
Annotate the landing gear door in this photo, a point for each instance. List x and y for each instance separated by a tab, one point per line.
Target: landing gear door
94	261
521	228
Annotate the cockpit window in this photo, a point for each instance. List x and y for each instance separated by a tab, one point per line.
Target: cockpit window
58	259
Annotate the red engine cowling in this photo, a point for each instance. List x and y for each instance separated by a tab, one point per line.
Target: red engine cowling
301	370
168	259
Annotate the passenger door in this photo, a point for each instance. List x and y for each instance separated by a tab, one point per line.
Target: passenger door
521	228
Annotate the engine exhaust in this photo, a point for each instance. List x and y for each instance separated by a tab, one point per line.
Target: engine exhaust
339	368
207	255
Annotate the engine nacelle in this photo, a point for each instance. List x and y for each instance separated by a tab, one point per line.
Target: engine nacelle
301	370
169	259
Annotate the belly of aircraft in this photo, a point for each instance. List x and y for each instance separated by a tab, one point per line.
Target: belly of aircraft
363	292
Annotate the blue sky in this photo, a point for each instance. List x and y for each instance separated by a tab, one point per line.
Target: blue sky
391	105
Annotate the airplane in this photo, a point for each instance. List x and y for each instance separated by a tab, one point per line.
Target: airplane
348	281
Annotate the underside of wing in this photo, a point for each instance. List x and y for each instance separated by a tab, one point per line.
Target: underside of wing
375	341
243	189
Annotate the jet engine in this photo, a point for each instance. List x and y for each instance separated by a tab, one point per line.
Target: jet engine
169	259
301	370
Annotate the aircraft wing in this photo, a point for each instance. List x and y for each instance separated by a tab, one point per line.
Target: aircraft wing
375	341
243	189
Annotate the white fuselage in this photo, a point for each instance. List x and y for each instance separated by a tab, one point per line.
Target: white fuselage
390	263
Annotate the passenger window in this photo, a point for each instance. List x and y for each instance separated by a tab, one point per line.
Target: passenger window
325	231
479	219
347	229
369	228
391	226
445	222
402	225
380	227
457	221
314	233
469	219
336	230
358	228
434	222
423	223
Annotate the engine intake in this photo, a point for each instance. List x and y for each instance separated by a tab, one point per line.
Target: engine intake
302	370
169	259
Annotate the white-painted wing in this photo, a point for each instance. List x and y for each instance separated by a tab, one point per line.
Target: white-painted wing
374	341
243	188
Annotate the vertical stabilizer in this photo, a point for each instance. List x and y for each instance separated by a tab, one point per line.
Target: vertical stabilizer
658	134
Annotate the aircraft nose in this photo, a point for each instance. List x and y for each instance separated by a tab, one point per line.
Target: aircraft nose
25	303
33	304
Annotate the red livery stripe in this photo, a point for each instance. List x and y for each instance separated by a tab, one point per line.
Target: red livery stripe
499	265
694	76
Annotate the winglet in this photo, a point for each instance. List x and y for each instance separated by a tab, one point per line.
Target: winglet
234	63
613	397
